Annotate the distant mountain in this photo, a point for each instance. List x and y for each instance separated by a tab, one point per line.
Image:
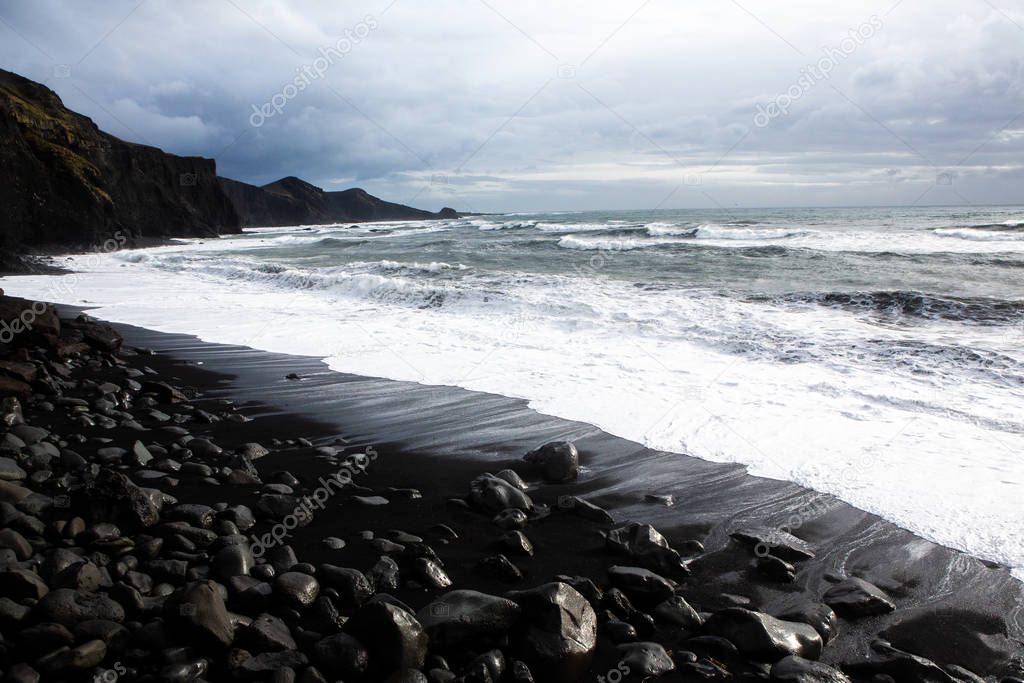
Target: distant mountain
291	201
67	184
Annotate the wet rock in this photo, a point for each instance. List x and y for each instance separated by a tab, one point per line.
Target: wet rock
617	602
11	613
857	598
818	615
9	442
677	612
641	584
511	518
325	615
67	607
39	639
393	637
558	632
13	493
171	571
490	666
12	540
794	669
557	462
114	497
204	449
491	494
372	501
584	586
21	584
334	543
517	542
520	673
776	542
971	636
342	656
645	659
29	434
233	560
140	454
297	590
512	478
10	471
164	392
252	450
114	635
620	632
239	515
278	506
82	576
776	569
902	666
14	388
431	573
351	584
499	567
281	558
11	412
384	575
85	656
273	666
468	617
383	545
96	334
585	509
646	546
762	637
183	672
199	608
22	673
193	514
267	633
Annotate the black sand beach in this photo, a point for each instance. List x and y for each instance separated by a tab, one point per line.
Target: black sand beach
425	446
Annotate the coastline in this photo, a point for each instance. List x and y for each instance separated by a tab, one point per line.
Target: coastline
462	433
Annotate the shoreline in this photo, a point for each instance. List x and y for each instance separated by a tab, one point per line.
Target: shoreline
463	434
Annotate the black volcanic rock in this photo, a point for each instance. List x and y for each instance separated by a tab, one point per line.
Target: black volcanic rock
292	201
69	184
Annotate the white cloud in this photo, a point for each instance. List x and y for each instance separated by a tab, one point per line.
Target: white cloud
474	91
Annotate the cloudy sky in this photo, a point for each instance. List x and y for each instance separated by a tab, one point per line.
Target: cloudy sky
566	104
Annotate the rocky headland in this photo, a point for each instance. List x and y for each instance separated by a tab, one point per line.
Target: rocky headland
69	186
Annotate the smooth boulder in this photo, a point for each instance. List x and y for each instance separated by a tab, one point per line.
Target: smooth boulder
558	462
558	632
762	637
467	616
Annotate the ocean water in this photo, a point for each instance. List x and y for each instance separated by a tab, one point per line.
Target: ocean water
875	354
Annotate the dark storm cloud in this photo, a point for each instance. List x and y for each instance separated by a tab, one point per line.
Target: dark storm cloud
503	105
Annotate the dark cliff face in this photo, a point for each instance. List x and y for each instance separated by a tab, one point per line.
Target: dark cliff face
69	184
291	201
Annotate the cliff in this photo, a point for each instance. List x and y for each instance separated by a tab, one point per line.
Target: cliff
291	201
68	184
